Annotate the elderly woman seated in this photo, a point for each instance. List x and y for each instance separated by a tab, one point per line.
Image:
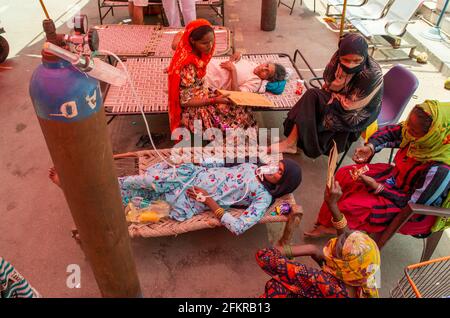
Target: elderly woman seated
191	189
348	102
421	174
348	263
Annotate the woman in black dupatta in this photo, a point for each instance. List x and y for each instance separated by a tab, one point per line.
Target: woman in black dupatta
348	102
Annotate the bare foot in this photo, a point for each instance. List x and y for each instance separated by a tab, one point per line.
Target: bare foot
284	147
320	231
54	176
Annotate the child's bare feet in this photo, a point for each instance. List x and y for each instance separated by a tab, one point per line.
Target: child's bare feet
54	176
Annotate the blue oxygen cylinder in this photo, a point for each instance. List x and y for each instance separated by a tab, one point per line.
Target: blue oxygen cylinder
68	105
61	92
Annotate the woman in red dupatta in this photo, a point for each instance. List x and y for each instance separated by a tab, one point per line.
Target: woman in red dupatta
189	98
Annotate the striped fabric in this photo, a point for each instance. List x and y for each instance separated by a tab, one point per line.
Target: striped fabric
12	283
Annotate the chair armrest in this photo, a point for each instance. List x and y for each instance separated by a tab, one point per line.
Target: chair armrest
390	23
316	79
404	216
429	210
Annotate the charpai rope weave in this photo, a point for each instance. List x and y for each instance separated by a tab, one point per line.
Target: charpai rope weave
149	40
150	81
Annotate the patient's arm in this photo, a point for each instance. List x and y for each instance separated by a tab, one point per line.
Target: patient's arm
230	67
235	57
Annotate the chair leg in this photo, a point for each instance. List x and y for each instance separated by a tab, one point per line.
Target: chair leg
430	245
100	11
391	155
223	12
342	158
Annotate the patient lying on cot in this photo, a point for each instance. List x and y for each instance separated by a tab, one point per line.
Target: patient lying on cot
238	74
193	189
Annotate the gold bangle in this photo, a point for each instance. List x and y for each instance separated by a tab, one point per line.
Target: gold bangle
339	225
219	212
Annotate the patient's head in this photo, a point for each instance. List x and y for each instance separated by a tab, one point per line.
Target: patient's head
271	72
285	180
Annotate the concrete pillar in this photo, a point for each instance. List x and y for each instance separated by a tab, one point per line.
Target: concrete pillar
269	15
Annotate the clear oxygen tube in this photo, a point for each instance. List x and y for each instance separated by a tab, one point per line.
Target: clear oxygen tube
95	67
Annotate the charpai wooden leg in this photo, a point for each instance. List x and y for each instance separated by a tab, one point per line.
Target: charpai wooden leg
293	222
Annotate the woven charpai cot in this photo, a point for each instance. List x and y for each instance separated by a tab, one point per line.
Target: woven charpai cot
126	40
149	40
144	159
163	45
150	82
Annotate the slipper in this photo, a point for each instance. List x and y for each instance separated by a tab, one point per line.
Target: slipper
157	138
142	140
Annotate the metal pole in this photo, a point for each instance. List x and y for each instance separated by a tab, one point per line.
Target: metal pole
344	9
435	33
441	16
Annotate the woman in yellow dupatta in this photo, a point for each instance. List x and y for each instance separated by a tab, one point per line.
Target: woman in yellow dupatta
434	146
420	174
348	263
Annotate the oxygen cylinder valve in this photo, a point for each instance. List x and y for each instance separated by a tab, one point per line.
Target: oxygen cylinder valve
50	33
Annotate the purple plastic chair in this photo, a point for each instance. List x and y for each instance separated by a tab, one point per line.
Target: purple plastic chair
399	86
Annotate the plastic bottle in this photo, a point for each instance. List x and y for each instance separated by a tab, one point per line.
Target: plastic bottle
149	216
300	87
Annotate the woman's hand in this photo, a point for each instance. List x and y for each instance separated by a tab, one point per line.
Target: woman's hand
228	65
222	99
363	154
198	194
235	57
318	257
333	195
369	181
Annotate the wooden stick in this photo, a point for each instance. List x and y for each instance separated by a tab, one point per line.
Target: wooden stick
45	9
344	10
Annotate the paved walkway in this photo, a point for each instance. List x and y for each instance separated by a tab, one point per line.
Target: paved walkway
36	223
